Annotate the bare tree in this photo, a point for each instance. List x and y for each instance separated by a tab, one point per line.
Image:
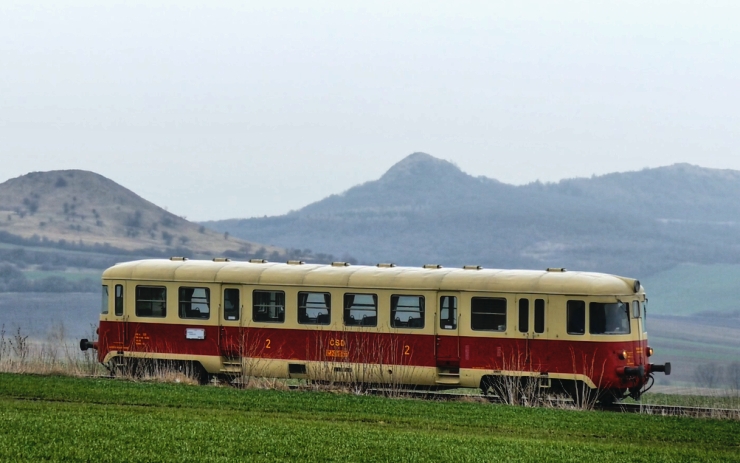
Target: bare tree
708	375
732	376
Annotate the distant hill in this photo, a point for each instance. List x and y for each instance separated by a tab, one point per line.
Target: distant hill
75	208
426	210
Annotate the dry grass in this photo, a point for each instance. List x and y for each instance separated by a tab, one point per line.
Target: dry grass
53	355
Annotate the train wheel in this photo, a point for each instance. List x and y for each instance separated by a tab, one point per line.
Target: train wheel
610	396
582	395
200	374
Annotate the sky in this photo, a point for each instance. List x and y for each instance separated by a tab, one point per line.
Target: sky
238	109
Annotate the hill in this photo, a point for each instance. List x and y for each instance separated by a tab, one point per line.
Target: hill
426	210
84	210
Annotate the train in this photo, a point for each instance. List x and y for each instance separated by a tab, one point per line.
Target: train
434	327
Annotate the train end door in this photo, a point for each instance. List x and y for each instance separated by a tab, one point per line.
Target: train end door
113	332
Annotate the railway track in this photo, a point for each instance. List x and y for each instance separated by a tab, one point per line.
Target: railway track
670	410
645	409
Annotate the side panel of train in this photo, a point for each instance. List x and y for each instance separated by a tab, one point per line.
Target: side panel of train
430	338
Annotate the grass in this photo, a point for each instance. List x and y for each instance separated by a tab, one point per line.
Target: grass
726	399
55	418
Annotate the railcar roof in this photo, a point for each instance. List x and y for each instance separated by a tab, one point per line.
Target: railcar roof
361	276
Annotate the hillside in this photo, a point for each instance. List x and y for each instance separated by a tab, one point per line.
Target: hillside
426	210
83	209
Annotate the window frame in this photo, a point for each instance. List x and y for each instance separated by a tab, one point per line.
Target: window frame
104	300
346	312
626	309
237	308
140	300
182	304
303	309
453	319
395	299
118	300
568	308
476	313
539	307
273	319
523	315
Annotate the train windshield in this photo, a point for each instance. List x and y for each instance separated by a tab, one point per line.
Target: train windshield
104	300
609	318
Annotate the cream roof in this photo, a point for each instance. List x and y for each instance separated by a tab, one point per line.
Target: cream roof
360	276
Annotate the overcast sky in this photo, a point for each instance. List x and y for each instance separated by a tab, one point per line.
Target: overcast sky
221	110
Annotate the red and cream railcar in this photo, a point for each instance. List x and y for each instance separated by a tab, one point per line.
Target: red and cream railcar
429	326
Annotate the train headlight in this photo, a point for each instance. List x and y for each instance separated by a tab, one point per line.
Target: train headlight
623	355
649	351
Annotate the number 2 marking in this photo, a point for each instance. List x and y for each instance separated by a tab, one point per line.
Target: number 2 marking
406	350
267	343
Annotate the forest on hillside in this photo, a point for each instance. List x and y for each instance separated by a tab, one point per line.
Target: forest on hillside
425	210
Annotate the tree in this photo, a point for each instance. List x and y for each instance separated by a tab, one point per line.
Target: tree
707	375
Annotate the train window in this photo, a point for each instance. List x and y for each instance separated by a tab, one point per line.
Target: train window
523	315
104	301
361	309
119	300
576	317
539	315
314	308
231	304
407	311
644	315
151	301
612	318
488	314
635	309
448	312
195	303
268	306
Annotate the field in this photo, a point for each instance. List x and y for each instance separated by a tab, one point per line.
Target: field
55	418
695	289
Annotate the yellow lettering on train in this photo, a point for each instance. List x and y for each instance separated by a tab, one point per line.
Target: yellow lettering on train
407	350
337	353
140	339
337	342
267	343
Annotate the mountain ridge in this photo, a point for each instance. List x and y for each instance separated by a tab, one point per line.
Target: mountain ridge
82	207
426	210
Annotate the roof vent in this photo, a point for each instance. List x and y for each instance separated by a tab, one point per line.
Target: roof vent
180	259
432	266
340	264
386	265
472	267
295	262
221	259
257	261
556	269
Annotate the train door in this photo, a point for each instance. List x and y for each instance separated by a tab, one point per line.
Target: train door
447	351
637	312
531	331
118	335
230	322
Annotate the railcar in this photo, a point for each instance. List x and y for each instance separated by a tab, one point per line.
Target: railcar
430	326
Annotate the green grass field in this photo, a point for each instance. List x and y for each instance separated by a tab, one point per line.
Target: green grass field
53	418
690	289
